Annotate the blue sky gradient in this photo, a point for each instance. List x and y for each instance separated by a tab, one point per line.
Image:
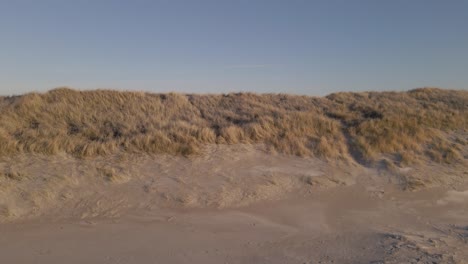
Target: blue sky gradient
290	46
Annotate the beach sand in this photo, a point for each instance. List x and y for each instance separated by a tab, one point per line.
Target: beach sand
236	204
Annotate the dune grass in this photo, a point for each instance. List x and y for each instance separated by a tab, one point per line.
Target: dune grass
420	124
408	125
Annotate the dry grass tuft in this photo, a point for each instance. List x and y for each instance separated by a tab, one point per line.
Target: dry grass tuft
12	174
113	174
411	126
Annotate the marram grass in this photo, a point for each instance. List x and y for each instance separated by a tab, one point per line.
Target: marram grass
426	123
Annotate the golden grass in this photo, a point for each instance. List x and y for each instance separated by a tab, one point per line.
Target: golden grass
424	123
409	124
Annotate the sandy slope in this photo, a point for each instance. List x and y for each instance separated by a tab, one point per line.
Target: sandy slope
233	204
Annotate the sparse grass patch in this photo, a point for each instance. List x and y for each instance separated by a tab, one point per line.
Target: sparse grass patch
112	174
5	211
413	184
12	174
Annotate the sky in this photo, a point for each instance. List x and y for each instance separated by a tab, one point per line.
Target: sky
219	46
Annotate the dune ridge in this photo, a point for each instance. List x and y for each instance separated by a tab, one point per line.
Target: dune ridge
427	124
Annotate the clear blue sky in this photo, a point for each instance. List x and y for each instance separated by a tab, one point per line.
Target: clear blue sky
304	47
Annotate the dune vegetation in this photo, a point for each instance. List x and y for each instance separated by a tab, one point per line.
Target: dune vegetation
406	127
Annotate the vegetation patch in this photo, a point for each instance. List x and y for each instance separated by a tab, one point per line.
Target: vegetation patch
420	124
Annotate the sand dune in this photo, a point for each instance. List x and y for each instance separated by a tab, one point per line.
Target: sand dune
125	177
405	127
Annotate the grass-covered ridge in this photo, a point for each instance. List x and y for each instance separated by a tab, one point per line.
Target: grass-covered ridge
420	124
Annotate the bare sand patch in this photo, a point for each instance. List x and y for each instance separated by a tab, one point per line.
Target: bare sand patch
230	204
